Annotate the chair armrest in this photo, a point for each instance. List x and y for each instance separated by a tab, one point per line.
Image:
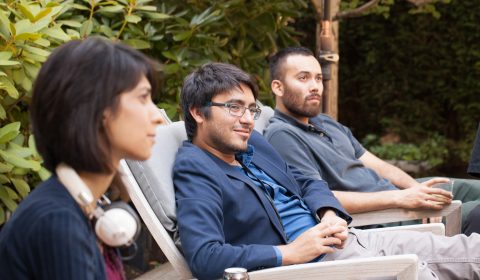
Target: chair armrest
402	266
452	214
435	228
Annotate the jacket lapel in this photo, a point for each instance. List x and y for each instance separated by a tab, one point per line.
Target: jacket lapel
238	174
279	175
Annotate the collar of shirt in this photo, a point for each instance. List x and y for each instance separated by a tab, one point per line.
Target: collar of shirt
246	157
314	125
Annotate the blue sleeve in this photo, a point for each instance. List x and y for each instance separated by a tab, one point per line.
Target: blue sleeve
200	220
317	195
279	256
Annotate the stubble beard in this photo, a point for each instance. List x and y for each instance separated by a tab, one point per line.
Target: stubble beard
293	102
225	145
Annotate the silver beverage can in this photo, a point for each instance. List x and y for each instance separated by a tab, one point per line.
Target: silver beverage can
235	273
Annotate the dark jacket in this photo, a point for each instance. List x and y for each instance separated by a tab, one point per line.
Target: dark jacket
224	219
49	237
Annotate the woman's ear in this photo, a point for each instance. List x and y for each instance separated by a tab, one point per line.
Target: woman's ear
277	87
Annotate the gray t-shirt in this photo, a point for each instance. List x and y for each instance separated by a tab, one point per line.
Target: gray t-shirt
326	150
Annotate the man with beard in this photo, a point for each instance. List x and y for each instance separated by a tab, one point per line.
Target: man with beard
240	205
322	148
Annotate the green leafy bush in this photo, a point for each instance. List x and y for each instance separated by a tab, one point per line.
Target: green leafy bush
181	35
414	75
28	33
433	150
240	32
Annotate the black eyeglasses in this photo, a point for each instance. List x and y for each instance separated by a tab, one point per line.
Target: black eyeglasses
238	110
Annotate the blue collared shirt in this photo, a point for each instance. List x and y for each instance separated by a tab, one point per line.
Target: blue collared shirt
294	213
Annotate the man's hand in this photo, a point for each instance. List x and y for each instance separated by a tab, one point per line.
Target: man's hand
314	242
331	219
424	196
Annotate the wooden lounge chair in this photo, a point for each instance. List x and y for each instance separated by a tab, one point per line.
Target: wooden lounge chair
150	187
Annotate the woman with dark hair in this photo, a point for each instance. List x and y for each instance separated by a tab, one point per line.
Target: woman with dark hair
91	107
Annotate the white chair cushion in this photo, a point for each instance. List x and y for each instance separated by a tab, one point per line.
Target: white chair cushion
262	122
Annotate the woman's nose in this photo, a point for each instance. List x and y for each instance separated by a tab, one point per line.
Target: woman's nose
157	116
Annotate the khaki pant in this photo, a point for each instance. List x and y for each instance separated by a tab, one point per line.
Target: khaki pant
441	257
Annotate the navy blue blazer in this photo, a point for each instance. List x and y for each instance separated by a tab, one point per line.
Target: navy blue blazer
224	219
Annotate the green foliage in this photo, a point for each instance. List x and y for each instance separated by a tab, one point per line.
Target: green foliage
432	150
240	32
413	75
29	31
384	7
181	35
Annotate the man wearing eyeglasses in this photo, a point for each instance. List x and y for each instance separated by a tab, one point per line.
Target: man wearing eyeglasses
239	204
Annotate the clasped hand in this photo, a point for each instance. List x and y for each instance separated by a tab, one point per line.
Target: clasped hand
321	239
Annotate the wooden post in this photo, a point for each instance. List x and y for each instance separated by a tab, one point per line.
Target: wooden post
326	48
332	106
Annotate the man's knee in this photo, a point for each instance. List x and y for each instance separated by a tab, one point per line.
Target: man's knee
472	222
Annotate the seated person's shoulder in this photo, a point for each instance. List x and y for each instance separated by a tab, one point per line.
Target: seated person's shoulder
330	124
48	203
324	117
275	125
189	153
48	214
260	143
327	119
191	159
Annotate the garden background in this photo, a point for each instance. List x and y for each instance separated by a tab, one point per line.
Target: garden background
408	74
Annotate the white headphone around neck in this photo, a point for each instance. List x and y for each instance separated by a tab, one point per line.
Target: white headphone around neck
117	225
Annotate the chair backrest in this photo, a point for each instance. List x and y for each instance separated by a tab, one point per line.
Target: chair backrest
154	176
150	187
262	122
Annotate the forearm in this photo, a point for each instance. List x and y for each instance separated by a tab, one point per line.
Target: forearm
317	195
397	176
325	212
358	202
